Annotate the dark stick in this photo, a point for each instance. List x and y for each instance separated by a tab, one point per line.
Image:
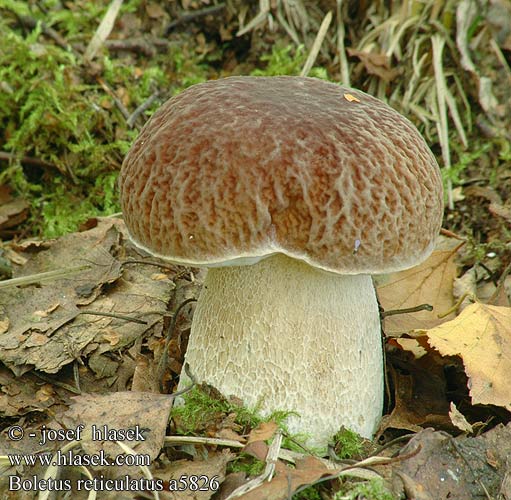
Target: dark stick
190	16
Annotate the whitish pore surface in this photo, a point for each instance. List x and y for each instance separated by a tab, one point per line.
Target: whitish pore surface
285	336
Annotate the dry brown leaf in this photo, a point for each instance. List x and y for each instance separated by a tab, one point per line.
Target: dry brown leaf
13	213
500	211
62	334
229	434
375	64
481	335
5	194
111	336
145	375
428	283
413	384
211	470
159	276
46	312
262	432
155	11
14	257
45	393
287	480
446	467
459	420
4	324
17	394
121	410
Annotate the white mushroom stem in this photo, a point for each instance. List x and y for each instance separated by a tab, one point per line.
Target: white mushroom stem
282	335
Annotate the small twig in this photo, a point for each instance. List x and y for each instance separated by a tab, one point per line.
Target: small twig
149	263
455	307
42	277
179	440
27	160
500	284
49	32
264	12
290	30
142	108
383	336
170	267
332	455
491	274
76	376
137	45
112	94
392	443
165	356
300	445
393	312
58	383
284	454
113	315
501	58
188	388
190	16
273	455
269	470
142	45
450	234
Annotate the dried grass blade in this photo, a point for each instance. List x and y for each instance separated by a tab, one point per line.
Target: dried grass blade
264	10
341	49
104	30
318	41
287	27
453	109
438	43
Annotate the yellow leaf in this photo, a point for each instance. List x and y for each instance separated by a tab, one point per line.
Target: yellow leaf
428	283
412	346
351	98
481	336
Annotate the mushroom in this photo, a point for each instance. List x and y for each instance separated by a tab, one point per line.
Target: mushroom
292	192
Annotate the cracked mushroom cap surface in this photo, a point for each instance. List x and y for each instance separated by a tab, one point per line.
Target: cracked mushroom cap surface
234	170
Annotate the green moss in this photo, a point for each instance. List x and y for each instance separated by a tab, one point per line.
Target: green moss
287	60
348	444
369	490
54	109
200	408
465	159
48	114
63	210
247	464
310	493
189	69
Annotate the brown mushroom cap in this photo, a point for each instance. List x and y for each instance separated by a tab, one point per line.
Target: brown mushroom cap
237	169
